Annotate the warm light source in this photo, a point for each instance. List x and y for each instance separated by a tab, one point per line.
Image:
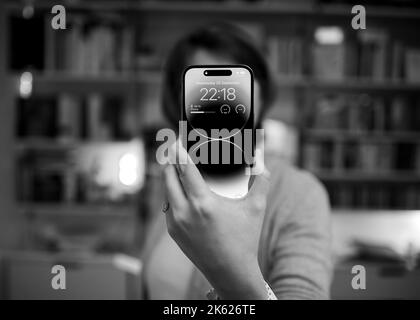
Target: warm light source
329	35
113	169
28	11
25	85
128	169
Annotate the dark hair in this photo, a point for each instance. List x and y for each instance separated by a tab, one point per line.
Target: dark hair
222	39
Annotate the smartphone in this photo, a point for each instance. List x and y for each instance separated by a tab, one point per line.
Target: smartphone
218	120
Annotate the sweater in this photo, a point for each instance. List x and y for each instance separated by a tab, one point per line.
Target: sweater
294	248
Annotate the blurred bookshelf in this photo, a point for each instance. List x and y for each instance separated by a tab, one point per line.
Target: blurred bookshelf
78	211
355	95
259	7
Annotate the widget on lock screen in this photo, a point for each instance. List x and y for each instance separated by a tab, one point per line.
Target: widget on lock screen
240	109
225	109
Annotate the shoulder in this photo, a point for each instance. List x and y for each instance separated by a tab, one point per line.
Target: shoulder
295	190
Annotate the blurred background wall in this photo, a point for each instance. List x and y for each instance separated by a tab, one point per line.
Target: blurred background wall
79	109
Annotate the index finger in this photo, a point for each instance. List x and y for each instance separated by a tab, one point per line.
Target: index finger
190	177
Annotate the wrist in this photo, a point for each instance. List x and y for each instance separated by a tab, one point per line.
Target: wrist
247	283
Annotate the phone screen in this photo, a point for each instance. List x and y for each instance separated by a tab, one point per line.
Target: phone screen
218	115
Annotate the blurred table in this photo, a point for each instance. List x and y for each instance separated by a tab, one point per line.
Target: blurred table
396	230
27	275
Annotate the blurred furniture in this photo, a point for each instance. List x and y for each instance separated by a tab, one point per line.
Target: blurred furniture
398	230
357	132
392	269
383	281
28	276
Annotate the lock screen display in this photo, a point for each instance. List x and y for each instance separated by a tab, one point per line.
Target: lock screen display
218	99
217	102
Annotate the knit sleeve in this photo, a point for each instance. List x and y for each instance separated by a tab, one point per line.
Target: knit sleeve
300	261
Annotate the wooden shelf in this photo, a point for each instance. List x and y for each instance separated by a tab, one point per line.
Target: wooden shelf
45	144
229	8
273	8
79	210
362	177
63	82
355	84
350	84
343	135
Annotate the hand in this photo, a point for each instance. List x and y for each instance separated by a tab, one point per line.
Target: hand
219	235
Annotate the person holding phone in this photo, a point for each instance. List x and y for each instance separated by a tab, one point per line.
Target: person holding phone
274	240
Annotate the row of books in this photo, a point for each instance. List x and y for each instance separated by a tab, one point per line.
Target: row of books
374	196
364	112
66	117
286	56
44	177
372	54
361	157
89	48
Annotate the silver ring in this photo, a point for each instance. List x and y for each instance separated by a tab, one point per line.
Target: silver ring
165	207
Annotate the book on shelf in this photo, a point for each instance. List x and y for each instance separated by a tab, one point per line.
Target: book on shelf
405	153
344	197
104	118
375	158
37	117
373	46
400	115
412	65
329	61
373	196
330	112
373	54
368	157
286	56
42	176
366	113
327	151
97	130
350	159
418	159
397	61
68	117
337	156
126	61
311	156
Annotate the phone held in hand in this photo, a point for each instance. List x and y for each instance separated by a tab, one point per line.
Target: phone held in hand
218	121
